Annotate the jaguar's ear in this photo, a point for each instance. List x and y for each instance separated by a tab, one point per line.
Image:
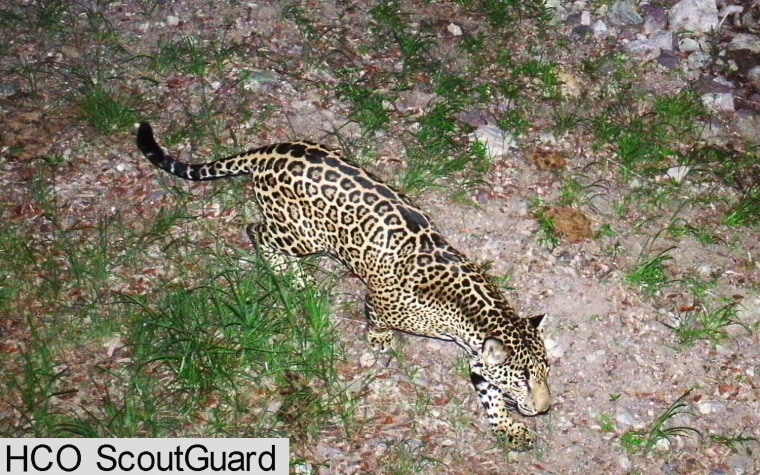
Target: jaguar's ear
537	322
494	352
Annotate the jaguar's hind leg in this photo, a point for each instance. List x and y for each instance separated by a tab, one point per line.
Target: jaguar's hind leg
280	251
379	336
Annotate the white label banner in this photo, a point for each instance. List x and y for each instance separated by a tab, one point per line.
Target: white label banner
144	456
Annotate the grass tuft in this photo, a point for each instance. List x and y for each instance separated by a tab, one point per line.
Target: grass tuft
644	440
708	324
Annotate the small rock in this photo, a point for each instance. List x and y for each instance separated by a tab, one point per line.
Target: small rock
553	349
748	125
690	44
303	468
714	133
558	11
699	16
709	407
698	60
644	50
719	101
623	13
624	418
483	197
475	118
662	445
650	49
704	269
8	89
367	359
669	59
497	141
744	41
454	29
579	32
172	20
677	174
600	29
655	18
667	40
754	76
713	84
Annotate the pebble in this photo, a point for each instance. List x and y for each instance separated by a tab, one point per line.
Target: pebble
454	29
553	349
698	60
172	20
747	124
624	418
718	101
623	13
709	407
744	41
669	60
600	29
677	174
8	89
688	45
698	16
655	18
367	359
704	269
498	142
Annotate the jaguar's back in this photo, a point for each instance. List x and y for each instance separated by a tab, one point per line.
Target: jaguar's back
313	201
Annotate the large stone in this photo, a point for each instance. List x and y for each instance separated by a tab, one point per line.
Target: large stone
623	13
699	16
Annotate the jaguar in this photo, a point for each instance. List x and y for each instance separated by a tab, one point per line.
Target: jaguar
313	201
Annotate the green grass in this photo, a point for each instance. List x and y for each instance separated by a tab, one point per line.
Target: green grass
369	107
607	423
408	457
548	235
707	323
651	273
108	110
736	443
224	335
747	212
650	143
437	153
645	440
394	30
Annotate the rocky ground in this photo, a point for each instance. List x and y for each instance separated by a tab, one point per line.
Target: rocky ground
618	363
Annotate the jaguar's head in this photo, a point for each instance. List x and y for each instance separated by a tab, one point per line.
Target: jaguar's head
516	363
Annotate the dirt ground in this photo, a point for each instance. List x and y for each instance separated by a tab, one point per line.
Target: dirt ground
617	363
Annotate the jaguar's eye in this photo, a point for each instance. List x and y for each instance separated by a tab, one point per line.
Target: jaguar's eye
523	382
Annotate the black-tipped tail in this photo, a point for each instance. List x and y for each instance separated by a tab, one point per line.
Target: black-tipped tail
224	168
147	144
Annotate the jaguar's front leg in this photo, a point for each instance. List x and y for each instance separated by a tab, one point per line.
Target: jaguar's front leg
498	409
380	335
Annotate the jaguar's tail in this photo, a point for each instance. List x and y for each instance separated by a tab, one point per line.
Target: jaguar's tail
226	167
